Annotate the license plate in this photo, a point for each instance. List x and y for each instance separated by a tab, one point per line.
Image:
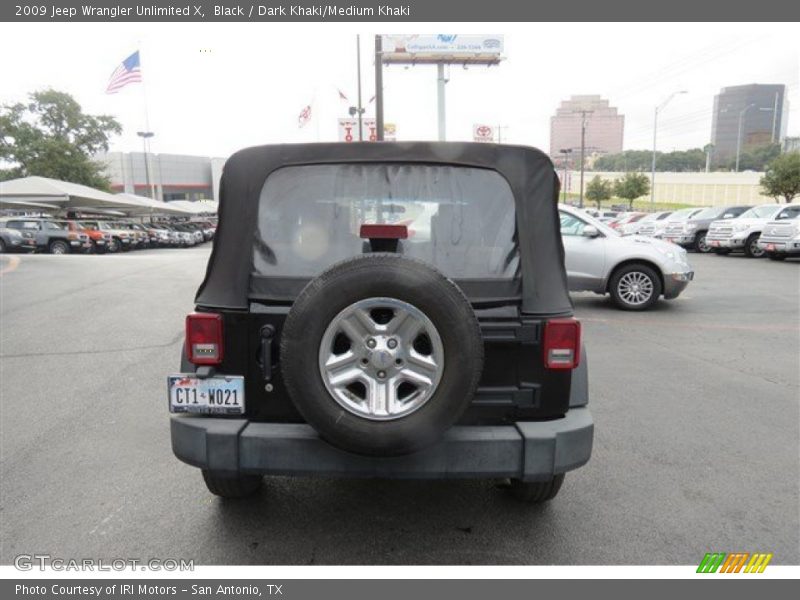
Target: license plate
770	247
212	395
714	243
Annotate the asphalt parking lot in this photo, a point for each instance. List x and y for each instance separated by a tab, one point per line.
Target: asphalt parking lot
697	442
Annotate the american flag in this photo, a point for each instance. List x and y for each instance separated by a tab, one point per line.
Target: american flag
128	71
304	117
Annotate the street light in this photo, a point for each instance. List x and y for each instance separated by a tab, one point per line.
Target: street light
566	152
146	135
655	130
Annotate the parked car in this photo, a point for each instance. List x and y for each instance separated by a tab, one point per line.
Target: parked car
602	215
139	236
625	219
635	271
742	233
163	235
118	239
51	235
676	220
14	240
648	225
195	234
331	343
691	232
98	239
187	236
780	238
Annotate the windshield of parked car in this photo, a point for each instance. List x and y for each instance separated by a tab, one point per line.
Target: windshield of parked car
460	219
684	214
572	224
790	212
713	212
760	212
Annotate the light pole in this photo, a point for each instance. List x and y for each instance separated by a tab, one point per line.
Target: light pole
358	74
655	131
146	135
742	113
660	107
739	135
583	152
566	152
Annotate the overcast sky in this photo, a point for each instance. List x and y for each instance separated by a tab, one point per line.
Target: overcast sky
213	88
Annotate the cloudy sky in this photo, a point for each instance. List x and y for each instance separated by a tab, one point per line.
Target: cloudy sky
213	88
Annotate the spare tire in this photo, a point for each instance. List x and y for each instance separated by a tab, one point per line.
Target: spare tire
381	354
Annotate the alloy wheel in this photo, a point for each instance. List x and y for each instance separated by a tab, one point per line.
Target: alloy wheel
381	358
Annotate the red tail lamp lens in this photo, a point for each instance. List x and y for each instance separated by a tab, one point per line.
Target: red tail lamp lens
204	338
562	344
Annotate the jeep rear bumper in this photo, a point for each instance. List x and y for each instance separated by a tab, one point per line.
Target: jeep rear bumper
531	451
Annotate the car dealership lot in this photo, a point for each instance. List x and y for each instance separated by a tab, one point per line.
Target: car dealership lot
696	440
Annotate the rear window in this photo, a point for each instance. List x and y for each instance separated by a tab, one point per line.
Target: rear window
460	219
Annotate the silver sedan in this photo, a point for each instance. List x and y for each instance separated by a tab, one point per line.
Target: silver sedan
634	270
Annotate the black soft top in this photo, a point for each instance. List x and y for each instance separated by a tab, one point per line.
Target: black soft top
528	171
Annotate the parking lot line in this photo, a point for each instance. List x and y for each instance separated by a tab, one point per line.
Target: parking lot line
12	262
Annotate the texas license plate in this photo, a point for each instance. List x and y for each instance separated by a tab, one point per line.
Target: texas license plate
770	247
212	395
714	243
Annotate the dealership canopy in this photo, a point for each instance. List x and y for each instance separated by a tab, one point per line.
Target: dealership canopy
59	196
148	206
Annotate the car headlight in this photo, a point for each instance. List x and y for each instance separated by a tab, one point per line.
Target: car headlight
740	226
690	227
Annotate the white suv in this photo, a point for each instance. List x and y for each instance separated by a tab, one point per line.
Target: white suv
742	233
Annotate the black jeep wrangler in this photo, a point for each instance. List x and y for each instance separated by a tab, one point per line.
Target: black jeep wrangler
395	310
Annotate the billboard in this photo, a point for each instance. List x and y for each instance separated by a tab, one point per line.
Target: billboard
442	48
348	130
482	133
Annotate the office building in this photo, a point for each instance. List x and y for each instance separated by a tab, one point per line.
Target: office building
604	127
761	110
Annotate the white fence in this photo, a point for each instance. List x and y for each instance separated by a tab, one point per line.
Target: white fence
701	189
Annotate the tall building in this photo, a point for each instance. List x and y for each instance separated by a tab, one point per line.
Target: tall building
604	127
762	110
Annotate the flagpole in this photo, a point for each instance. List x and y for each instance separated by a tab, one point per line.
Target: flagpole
149	134
315	111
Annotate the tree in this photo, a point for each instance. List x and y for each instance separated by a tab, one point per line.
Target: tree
598	190
51	136
782	179
631	186
756	159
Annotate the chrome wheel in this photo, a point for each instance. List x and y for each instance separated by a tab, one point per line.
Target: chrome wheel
381	358
702	244
755	251
635	288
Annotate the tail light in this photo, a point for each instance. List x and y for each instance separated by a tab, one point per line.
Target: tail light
562	344
204	338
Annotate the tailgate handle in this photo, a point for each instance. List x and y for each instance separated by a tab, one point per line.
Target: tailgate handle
267	333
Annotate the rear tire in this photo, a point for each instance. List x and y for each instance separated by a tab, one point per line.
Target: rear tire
114	245
2	246
232	486
635	287
536	492
388	280
751	248
58	247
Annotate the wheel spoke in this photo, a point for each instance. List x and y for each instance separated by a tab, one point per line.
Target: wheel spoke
381	397
356	325
404	326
